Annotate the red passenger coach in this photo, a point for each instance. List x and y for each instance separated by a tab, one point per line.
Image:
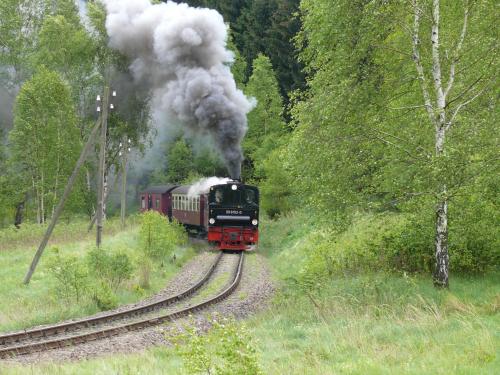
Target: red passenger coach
228	214
190	210
157	198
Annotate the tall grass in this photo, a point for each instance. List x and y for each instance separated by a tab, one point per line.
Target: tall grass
27	305
381	324
30	234
371	322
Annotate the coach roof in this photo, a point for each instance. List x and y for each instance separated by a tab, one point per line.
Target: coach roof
159	189
181	189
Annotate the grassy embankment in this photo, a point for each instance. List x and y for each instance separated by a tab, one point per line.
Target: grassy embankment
369	323
24	306
375	323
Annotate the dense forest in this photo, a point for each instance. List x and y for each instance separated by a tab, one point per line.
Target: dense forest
383	108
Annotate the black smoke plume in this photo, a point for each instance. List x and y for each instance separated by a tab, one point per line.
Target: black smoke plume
180	53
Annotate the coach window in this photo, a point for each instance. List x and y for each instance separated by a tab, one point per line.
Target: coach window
143	202
157	203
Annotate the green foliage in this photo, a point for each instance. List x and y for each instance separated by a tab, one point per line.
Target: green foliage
390	242
111	268
66	48
45	138
104	297
265	121
145	270
180	161
227	349
158	237
239	66
70	274
268	27
207	163
277	188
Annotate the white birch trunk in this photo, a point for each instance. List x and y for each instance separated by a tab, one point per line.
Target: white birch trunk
441	242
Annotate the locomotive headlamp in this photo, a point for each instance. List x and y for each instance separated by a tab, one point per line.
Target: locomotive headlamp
212	220
234	187
255	221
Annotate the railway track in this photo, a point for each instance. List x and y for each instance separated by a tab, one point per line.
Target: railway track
90	329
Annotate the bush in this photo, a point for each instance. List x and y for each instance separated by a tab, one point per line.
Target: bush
145	269
104	297
370	243
227	349
399	242
158	237
71	275
111	268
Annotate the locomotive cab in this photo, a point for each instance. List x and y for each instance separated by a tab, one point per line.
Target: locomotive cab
233	216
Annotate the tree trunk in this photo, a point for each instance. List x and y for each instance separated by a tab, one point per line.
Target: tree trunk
441	242
442	257
19	214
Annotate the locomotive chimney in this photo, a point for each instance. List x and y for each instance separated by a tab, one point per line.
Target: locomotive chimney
235	171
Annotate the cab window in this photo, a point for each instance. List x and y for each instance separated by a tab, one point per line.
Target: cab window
250	196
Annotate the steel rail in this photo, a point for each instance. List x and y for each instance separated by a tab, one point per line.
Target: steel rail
56	329
114	331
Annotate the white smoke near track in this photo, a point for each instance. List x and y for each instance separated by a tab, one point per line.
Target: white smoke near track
203	186
180	53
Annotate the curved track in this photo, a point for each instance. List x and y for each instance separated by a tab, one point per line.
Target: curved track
46	338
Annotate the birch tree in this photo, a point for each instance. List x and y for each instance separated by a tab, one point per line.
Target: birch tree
45	139
442	108
364	139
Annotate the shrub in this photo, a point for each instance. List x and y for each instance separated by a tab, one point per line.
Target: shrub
158	237
401	242
71	275
104	297
112	268
227	349
145	268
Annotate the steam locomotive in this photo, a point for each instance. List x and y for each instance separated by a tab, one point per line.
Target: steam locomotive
228	215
